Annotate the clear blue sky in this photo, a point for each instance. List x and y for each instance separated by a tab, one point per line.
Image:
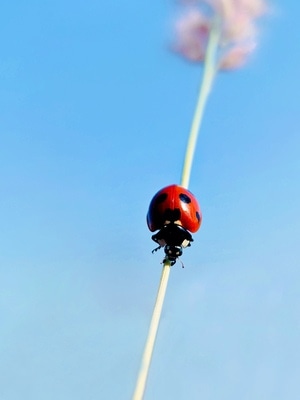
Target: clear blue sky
94	118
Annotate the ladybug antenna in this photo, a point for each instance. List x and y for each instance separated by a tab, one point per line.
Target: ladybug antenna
182	265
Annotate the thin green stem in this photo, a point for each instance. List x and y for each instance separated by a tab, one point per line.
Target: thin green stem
205	88
206	84
149	346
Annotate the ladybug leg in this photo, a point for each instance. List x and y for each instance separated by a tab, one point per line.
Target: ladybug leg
157	248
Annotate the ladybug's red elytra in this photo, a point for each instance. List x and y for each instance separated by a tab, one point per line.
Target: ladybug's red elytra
175	212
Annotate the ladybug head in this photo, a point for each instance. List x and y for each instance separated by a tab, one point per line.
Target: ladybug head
172	253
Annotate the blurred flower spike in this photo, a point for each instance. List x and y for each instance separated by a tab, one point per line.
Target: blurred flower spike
233	22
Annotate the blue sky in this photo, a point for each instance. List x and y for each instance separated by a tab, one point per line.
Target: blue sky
94	118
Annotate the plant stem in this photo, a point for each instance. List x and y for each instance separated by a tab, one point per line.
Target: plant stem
205	88
148	350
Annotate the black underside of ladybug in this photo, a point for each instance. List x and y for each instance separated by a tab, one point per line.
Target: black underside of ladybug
173	238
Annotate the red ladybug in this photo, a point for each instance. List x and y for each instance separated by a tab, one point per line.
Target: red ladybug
175	212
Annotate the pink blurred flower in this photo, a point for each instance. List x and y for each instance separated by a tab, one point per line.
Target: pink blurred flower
254	8
236	24
235	57
192	34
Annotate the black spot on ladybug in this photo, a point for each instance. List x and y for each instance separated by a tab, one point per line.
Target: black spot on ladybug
162	197
185	198
198	216
172	215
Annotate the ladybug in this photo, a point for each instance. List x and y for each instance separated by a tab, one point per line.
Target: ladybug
174	212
